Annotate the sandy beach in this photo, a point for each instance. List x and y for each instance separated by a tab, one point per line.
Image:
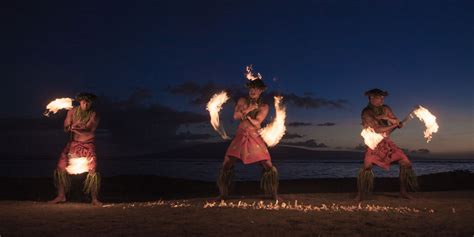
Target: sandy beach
157	206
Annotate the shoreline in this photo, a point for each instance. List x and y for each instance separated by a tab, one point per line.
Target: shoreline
126	188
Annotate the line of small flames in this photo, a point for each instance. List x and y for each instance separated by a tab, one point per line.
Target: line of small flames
307	208
275	206
160	203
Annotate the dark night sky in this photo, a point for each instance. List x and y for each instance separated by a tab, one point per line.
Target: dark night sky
422	52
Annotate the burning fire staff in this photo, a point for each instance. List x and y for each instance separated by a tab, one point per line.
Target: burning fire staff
248	145
382	120
81	121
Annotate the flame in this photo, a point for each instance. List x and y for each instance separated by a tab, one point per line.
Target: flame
275	206
371	138
430	122
274	131
78	165
250	75
261	205
57	104
214	106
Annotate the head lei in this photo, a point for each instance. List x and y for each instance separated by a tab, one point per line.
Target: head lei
376	92
89	97
254	79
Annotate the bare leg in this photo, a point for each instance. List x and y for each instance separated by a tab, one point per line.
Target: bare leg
61	197
225	177
92	186
360	191
62	183
403	186
95	201
268	167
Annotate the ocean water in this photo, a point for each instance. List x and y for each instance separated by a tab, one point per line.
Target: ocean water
207	170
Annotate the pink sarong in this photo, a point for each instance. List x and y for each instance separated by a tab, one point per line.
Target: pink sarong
384	154
248	146
78	149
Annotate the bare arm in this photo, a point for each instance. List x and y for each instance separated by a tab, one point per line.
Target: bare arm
90	127
68	121
391	116
240	111
262	114
369	120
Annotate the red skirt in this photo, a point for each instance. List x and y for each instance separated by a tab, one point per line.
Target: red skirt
78	149
384	154
248	146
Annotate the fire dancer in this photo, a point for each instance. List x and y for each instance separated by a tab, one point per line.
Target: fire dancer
81	122
248	145
380	117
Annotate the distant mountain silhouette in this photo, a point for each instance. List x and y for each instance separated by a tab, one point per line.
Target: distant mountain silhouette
217	151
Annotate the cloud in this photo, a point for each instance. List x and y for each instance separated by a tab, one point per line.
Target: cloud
327	124
136	122
200	94
292	136
298	124
133	124
310	102
311	143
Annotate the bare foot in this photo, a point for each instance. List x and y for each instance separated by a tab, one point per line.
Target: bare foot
58	199
221	198
358	197
406	195
96	202
276	197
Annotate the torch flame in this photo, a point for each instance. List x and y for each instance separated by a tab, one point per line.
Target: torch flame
78	165
214	106
429	120
57	104
250	75
274	131
371	138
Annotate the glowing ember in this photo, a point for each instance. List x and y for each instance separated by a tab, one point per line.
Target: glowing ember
78	165
250	75
274	131
274	206
307	208
430	121
214	106
57	104
371	138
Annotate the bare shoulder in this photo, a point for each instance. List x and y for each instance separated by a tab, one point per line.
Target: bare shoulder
71	111
264	106
241	100
367	112
387	108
